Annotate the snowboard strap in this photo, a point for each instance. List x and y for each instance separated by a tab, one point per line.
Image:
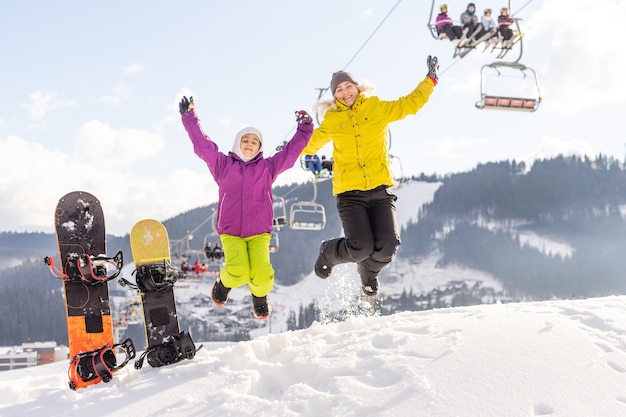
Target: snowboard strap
55	270
153	277
99	363
86	268
174	349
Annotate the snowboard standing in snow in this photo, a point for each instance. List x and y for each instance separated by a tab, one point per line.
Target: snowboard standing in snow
154	279
80	232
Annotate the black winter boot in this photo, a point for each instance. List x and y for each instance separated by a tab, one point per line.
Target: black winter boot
262	308
219	294
326	259
370	288
369	283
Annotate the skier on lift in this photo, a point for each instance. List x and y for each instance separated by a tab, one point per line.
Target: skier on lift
445	26
488	28
469	22
505	21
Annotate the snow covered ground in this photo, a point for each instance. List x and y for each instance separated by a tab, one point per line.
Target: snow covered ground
556	358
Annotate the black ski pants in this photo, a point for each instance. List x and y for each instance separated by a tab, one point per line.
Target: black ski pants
370	229
506	32
452	32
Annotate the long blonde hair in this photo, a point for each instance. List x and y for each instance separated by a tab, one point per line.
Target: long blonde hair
321	107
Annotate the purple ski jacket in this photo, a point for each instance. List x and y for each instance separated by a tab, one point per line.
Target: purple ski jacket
442	20
245	206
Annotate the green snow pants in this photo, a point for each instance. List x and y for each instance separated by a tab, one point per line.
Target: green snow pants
247	261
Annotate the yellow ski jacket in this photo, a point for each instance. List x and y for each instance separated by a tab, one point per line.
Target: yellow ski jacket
360	138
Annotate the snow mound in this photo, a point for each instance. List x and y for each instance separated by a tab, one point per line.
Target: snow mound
555	358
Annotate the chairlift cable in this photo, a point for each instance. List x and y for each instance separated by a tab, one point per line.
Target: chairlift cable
373	33
293	189
521	8
190	233
322	91
454	62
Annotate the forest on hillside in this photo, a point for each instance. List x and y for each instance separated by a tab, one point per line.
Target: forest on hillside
580	201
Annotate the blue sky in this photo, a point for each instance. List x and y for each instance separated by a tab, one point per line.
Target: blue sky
89	93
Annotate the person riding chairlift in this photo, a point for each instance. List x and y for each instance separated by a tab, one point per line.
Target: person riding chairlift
314	164
505	21
469	21
488	27
445	26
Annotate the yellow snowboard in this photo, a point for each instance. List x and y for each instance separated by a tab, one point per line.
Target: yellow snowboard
149	242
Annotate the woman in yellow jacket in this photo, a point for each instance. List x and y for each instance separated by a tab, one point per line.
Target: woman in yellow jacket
358	125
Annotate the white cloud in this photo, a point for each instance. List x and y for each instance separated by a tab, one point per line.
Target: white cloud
39	173
464	82
582	68
453	148
120	93
127	199
126	195
42	102
98	142
551	147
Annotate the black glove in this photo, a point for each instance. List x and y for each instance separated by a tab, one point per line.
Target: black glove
185	105
433	68
281	146
303	117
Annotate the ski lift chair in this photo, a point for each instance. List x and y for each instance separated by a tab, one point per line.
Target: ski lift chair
507	102
274	242
307	215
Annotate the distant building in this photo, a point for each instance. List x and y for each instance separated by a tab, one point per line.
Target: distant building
31	354
17	359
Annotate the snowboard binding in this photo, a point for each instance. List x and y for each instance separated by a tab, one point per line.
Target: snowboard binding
171	351
99	364
87	269
153	277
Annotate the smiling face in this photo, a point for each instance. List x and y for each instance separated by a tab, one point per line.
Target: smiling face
249	145
347	92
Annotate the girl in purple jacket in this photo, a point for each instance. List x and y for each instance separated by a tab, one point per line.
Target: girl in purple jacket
445	25
245	205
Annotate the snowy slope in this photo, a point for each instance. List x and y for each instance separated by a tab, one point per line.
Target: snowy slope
558	358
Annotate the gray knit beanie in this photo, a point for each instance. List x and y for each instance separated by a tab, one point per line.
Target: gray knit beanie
339	77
